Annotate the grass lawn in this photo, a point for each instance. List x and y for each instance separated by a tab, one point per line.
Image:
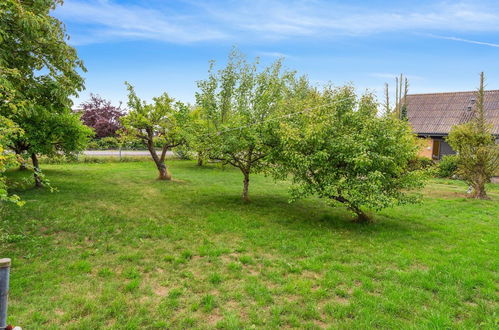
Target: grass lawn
114	248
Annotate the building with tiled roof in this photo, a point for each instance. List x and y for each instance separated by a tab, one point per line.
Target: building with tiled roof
433	115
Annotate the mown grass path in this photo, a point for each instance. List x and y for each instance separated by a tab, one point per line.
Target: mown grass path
114	248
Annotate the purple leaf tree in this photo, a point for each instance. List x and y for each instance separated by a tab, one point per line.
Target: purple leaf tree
102	116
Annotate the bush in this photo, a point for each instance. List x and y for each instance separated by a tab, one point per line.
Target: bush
108	143
183	153
421	163
134	145
93	145
112	143
447	166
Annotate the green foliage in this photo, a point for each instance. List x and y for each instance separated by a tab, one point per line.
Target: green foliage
34	54
183	152
48	131
7	130
447	166
109	143
39	72
421	163
114	143
341	150
237	104
105	143
478	154
161	123
93	145
196	133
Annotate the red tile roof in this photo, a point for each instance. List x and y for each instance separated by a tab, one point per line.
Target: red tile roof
435	114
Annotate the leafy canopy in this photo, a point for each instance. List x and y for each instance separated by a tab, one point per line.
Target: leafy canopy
342	150
237	103
39	72
163	119
101	116
7	130
33	51
162	122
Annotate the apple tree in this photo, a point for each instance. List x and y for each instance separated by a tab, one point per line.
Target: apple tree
238	103
342	150
161	122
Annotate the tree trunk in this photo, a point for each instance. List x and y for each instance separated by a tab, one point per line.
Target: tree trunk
163	172
246	187
22	163
200	159
479	191
36	171
362	217
159	161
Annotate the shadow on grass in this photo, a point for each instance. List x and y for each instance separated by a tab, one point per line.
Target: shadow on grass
310	214
265	207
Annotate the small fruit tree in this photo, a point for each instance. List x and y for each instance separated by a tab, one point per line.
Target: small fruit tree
162	122
342	150
238	102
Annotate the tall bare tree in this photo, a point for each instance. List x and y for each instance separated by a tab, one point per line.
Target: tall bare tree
401	90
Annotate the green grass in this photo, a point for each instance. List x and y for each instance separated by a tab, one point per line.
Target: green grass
114	248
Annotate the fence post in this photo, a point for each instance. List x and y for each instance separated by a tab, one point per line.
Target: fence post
4	290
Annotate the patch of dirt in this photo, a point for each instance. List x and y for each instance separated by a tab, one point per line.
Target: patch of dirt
253	272
196	258
161	291
375	293
226	258
341	300
321	324
214	317
292	298
311	275
418	266
471	303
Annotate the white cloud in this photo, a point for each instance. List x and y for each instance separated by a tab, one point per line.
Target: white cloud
274	54
280	19
106	20
191	21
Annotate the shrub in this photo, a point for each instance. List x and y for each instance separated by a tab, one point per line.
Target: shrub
421	163
183	153
93	145
108	143
112	143
447	166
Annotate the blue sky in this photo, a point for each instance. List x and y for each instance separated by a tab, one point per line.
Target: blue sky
165	45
